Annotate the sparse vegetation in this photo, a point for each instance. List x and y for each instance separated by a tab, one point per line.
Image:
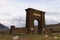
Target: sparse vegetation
52	36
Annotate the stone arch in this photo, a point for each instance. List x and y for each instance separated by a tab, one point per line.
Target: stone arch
31	15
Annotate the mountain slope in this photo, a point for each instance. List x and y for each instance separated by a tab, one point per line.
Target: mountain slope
3	27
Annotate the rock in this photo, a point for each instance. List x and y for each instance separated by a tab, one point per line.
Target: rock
55	37
46	35
15	37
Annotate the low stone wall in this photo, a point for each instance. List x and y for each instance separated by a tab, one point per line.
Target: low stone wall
20	30
17	30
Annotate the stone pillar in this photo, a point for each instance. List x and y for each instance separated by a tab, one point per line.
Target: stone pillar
12	29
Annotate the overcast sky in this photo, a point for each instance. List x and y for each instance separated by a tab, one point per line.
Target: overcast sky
12	12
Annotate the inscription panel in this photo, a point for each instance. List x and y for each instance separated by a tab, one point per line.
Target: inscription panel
36	14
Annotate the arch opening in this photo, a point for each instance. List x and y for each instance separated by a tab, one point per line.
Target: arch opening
36	24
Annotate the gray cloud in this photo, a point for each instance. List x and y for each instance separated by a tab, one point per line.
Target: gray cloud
51	21
21	21
12	12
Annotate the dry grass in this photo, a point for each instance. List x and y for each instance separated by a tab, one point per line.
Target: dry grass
5	37
32	37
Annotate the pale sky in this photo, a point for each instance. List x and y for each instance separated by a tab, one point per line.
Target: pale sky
12	12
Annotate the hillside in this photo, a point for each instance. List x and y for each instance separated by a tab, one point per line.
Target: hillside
3	28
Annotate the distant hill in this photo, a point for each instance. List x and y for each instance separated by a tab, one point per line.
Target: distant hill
54	27
3	28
